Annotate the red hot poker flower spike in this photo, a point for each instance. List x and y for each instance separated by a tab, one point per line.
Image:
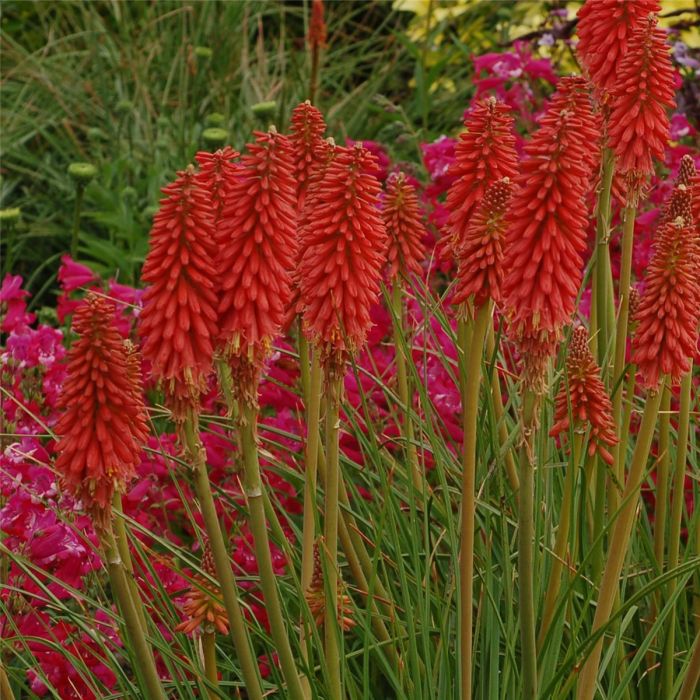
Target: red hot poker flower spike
669	308
217	172
545	242
103	424
201	609
484	154
404	227
343	255
318	33
178	321
308	144
639	122
584	399
604	30
480	256
257	238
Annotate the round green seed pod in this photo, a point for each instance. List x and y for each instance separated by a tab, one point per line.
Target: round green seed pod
264	109
124	107
82	173
215	119
215	137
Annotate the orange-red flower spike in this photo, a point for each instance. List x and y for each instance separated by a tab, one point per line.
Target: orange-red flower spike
669	307
583	401
484	154
604	30
178	321
405	229
480	255
641	96
344	252
103	425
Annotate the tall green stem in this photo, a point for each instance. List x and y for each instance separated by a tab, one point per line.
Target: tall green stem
403	386
308	538
470	410
628	215
253	487
526	545
620	450
331	627
75	236
222	563
142	652
210	669
561	541
122	541
619	542
692	674
5	689
662	478
674	538
602	287
499	415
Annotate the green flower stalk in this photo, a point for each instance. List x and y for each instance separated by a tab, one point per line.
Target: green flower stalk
403	220
582	405
81	174
343	240
619	541
674	537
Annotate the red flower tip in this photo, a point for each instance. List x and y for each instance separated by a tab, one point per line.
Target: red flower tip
178	321
484	154
583	401
217	172
480	255
343	253
574	95
308	144
257	250
318	32
669	308
403	220
547	231
103	424
643	91
604	30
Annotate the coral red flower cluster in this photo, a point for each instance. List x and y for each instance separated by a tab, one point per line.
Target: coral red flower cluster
484	154
546	238
318	32
217	172
643	91
343	253
604	30
669	308
574	95
178	321
103	426
583	401
201	609
480	255
309	146
257	253
404	225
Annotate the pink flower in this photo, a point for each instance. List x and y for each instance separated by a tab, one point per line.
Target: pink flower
13	309
72	274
